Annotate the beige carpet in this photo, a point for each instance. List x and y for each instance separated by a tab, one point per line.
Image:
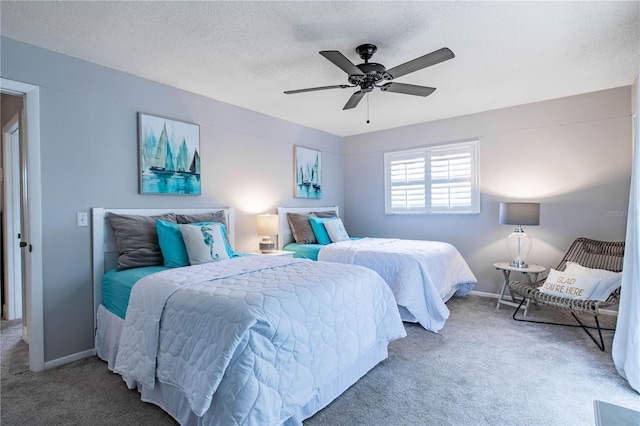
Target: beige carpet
483	368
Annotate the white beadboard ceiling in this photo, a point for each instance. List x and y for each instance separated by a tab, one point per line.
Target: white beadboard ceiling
248	53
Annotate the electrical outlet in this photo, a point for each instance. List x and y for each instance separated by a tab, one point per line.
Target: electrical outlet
82	219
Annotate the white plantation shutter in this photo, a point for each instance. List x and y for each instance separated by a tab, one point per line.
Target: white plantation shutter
437	179
452	183
407	176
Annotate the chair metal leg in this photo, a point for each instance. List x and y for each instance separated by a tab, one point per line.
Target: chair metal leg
580	324
586	330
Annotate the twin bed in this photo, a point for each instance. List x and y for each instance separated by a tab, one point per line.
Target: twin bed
254	339
423	275
244	340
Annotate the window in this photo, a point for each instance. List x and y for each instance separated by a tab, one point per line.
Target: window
434	179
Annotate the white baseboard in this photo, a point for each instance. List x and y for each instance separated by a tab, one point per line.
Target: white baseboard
484	294
69	358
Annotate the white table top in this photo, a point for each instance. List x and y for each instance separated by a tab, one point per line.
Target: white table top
275	253
531	268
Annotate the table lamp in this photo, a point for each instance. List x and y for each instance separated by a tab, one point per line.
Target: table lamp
267	226
519	243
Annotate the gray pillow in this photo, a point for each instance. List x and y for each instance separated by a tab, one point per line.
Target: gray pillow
325	214
137	239
202	217
301	228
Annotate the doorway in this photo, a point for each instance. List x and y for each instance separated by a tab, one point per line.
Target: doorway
31	216
12	283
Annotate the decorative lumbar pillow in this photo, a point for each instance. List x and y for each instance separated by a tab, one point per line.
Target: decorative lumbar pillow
301	228
609	281
137	239
571	286
336	231
205	242
319	230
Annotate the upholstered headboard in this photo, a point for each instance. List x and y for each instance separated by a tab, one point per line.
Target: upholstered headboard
105	249
284	231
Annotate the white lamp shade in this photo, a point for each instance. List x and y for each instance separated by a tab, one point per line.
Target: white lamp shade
267	224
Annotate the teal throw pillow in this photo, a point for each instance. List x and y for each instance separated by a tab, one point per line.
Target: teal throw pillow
171	244
317	224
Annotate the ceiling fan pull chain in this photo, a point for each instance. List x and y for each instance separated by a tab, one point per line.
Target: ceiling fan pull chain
367	108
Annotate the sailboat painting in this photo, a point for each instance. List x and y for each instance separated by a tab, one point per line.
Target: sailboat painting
169	156
308	173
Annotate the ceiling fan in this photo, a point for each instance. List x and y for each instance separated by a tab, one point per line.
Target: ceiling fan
368	75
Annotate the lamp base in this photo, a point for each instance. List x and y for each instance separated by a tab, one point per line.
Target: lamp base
519	245
518	264
267	245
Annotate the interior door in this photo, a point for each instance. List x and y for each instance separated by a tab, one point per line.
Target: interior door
25	235
13	308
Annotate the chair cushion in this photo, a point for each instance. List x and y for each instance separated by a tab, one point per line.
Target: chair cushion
569	285
609	281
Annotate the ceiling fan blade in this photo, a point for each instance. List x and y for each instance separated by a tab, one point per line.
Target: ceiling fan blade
427	60
341	62
407	89
313	89
354	100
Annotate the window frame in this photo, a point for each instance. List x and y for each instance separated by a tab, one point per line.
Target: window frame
427	152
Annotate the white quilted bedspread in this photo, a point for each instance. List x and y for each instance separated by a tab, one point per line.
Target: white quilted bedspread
422	274
253	337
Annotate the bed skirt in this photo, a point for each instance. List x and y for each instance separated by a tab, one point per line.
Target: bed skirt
173	401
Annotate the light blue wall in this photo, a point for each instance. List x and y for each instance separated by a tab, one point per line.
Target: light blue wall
573	155
89	149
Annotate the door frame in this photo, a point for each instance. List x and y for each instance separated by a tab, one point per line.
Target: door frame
32	223
11	219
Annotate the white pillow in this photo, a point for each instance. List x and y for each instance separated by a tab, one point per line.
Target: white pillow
204	242
571	286
336	230
609	281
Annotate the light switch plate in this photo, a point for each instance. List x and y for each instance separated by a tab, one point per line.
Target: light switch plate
82	219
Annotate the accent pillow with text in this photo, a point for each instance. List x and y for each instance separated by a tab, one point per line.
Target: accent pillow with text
609	280
571	286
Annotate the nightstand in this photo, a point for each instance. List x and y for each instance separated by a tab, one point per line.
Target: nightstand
275	253
532	271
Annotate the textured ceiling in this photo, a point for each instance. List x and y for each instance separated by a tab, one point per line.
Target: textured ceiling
249	53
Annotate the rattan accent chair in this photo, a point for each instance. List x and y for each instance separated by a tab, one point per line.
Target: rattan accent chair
588	253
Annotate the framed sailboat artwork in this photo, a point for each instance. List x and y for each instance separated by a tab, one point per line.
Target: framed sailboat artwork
169	152
308	173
